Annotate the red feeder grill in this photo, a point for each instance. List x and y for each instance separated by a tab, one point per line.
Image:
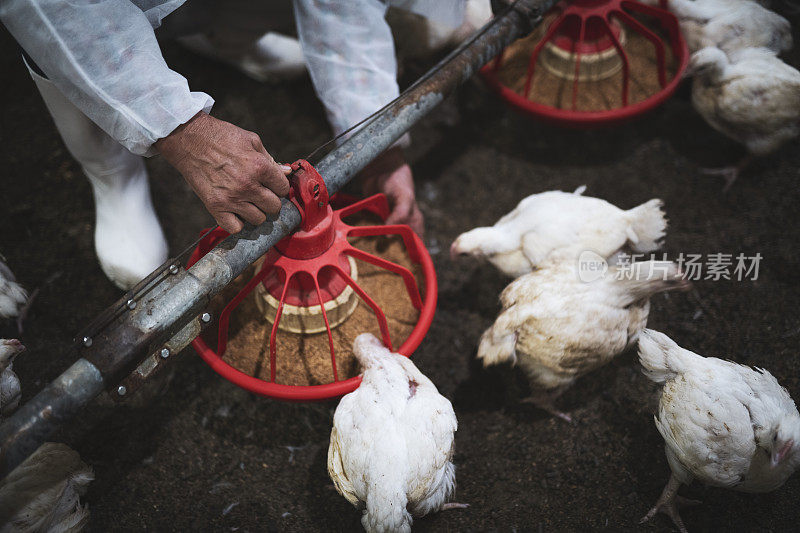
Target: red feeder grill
312	273
588	43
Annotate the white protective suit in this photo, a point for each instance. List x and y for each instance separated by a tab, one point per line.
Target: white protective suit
350	52
104	59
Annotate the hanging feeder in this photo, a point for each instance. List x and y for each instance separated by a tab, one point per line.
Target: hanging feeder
308	285
592	63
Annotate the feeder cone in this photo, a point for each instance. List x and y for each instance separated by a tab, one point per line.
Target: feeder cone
594	58
308	286
592	62
301	311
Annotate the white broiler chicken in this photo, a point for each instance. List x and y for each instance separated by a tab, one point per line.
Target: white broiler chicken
10	390
392	442
562	223
12	296
731	25
43	493
752	98
558	328
724	424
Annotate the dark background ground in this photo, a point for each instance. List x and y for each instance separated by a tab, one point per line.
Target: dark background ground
205	445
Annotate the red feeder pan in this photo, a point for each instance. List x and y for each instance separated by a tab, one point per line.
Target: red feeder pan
312	268
587	41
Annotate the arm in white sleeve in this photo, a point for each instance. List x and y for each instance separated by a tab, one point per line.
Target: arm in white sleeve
350	55
105	58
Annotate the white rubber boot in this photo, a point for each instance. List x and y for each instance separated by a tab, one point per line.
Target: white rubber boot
128	238
273	57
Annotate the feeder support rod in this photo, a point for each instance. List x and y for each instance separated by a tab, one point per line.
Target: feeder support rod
164	310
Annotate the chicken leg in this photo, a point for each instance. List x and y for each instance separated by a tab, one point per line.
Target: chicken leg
729	174
669	502
452	505
546	400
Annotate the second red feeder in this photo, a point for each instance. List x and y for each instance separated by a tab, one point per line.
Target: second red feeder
592	63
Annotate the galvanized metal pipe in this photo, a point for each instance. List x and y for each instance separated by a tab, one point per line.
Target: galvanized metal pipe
162	312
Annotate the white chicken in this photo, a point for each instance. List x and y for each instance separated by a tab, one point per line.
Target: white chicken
753	98
731	25
12	296
559	328
564	223
724	424
10	390
43	493
392	442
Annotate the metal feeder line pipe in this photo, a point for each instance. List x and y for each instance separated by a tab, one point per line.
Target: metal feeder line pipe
171	309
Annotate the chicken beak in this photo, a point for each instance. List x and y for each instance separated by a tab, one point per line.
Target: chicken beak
18	349
454	252
21	349
779	455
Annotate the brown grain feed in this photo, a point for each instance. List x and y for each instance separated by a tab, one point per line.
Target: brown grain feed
306	359
553	91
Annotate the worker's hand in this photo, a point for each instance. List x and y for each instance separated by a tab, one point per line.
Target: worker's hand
229	170
390	174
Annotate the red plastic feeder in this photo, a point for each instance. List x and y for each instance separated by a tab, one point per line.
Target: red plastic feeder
311	273
588	58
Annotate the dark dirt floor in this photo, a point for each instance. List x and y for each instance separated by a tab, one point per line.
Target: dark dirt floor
208	456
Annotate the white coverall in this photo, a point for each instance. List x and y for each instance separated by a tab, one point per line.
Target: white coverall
112	96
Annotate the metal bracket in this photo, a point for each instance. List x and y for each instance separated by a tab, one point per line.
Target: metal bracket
531	16
157	361
308	194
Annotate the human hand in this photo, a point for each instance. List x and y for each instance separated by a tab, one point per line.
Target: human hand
390	174
229	170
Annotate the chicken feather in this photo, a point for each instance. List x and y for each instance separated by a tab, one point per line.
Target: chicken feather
392	441
724	424
731	25
556	223
12	296
10	389
753	99
558	328
43	493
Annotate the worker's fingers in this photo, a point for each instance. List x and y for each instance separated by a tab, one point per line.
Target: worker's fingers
250	213
401	209
258	146
270	175
412	217
266	201
417	222
229	222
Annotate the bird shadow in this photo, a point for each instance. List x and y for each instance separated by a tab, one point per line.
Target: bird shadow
496	388
705	147
326	507
478	290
